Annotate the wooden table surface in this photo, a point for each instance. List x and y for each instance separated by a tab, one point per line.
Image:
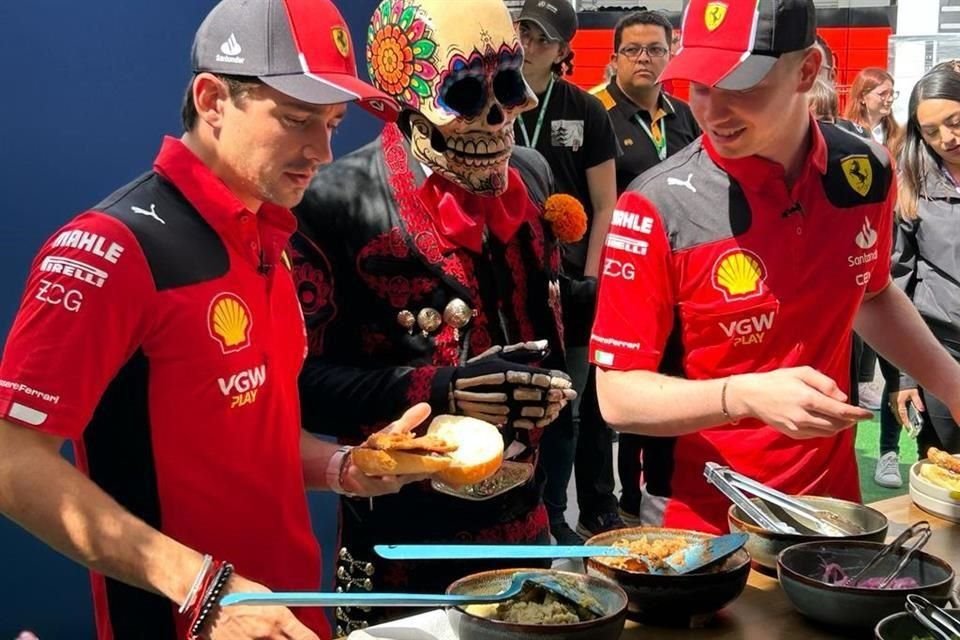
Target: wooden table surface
763	612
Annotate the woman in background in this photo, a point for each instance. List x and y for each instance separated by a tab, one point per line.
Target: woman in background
869	111
926	261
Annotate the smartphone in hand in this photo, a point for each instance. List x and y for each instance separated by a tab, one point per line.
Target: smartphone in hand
914	421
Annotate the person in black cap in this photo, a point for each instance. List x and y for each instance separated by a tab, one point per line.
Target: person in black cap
754	251
160	332
572	131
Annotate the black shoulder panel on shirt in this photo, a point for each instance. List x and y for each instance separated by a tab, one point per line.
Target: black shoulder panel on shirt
858	170
697	201
535	171
181	248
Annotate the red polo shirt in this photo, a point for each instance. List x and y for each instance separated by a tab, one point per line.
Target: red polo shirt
160	331
715	267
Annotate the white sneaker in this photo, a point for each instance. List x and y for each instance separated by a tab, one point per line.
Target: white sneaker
888	471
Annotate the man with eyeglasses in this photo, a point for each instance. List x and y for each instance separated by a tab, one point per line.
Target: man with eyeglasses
650	125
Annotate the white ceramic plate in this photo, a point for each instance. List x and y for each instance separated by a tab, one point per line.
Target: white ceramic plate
946	509
924	486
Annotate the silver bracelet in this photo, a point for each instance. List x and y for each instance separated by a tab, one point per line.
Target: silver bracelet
207	561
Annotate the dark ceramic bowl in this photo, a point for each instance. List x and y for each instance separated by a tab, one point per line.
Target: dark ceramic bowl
801	570
688	600
765	545
471	627
902	626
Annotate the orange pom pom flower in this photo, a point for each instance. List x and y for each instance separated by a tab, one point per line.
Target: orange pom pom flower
566	216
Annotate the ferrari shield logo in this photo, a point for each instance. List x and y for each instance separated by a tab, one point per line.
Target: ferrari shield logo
716	12
341	41
858	172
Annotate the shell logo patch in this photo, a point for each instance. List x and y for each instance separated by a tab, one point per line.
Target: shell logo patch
858	172
341	41
714	15
739	274
229	322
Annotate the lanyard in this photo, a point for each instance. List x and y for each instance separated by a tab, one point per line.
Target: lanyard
543	110
661	147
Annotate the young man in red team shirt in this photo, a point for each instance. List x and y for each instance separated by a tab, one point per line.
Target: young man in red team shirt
745	262
160	332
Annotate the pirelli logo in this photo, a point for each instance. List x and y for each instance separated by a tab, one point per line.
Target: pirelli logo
74	269
630	245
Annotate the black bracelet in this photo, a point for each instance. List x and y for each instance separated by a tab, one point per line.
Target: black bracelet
212	597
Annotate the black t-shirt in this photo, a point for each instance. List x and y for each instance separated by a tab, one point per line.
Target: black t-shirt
639	151
576	135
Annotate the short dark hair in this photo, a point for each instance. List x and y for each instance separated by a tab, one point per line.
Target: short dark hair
238	86
641	17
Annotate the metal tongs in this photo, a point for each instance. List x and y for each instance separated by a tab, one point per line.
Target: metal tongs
733	484
919	530
934	619
719	477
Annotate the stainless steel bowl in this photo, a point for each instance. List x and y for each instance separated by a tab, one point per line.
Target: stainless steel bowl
471	627
801	569
765	545
688	600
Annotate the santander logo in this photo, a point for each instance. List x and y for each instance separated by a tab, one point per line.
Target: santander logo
867	236
230	50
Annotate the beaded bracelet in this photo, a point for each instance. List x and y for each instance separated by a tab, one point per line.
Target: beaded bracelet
210	599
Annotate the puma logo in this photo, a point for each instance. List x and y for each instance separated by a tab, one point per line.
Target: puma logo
677	182
152	213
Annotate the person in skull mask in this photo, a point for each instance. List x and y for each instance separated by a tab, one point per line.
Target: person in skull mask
426	272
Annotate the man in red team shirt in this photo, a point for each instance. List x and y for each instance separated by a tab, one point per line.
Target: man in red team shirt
160	331
737	269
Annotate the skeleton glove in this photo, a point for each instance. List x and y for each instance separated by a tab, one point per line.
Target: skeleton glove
500	387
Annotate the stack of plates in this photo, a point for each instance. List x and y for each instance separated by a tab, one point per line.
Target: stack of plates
933	499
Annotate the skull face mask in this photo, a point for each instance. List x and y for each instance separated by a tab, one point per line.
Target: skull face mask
457	74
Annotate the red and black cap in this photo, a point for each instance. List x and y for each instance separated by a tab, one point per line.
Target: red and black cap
301	48
734	44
